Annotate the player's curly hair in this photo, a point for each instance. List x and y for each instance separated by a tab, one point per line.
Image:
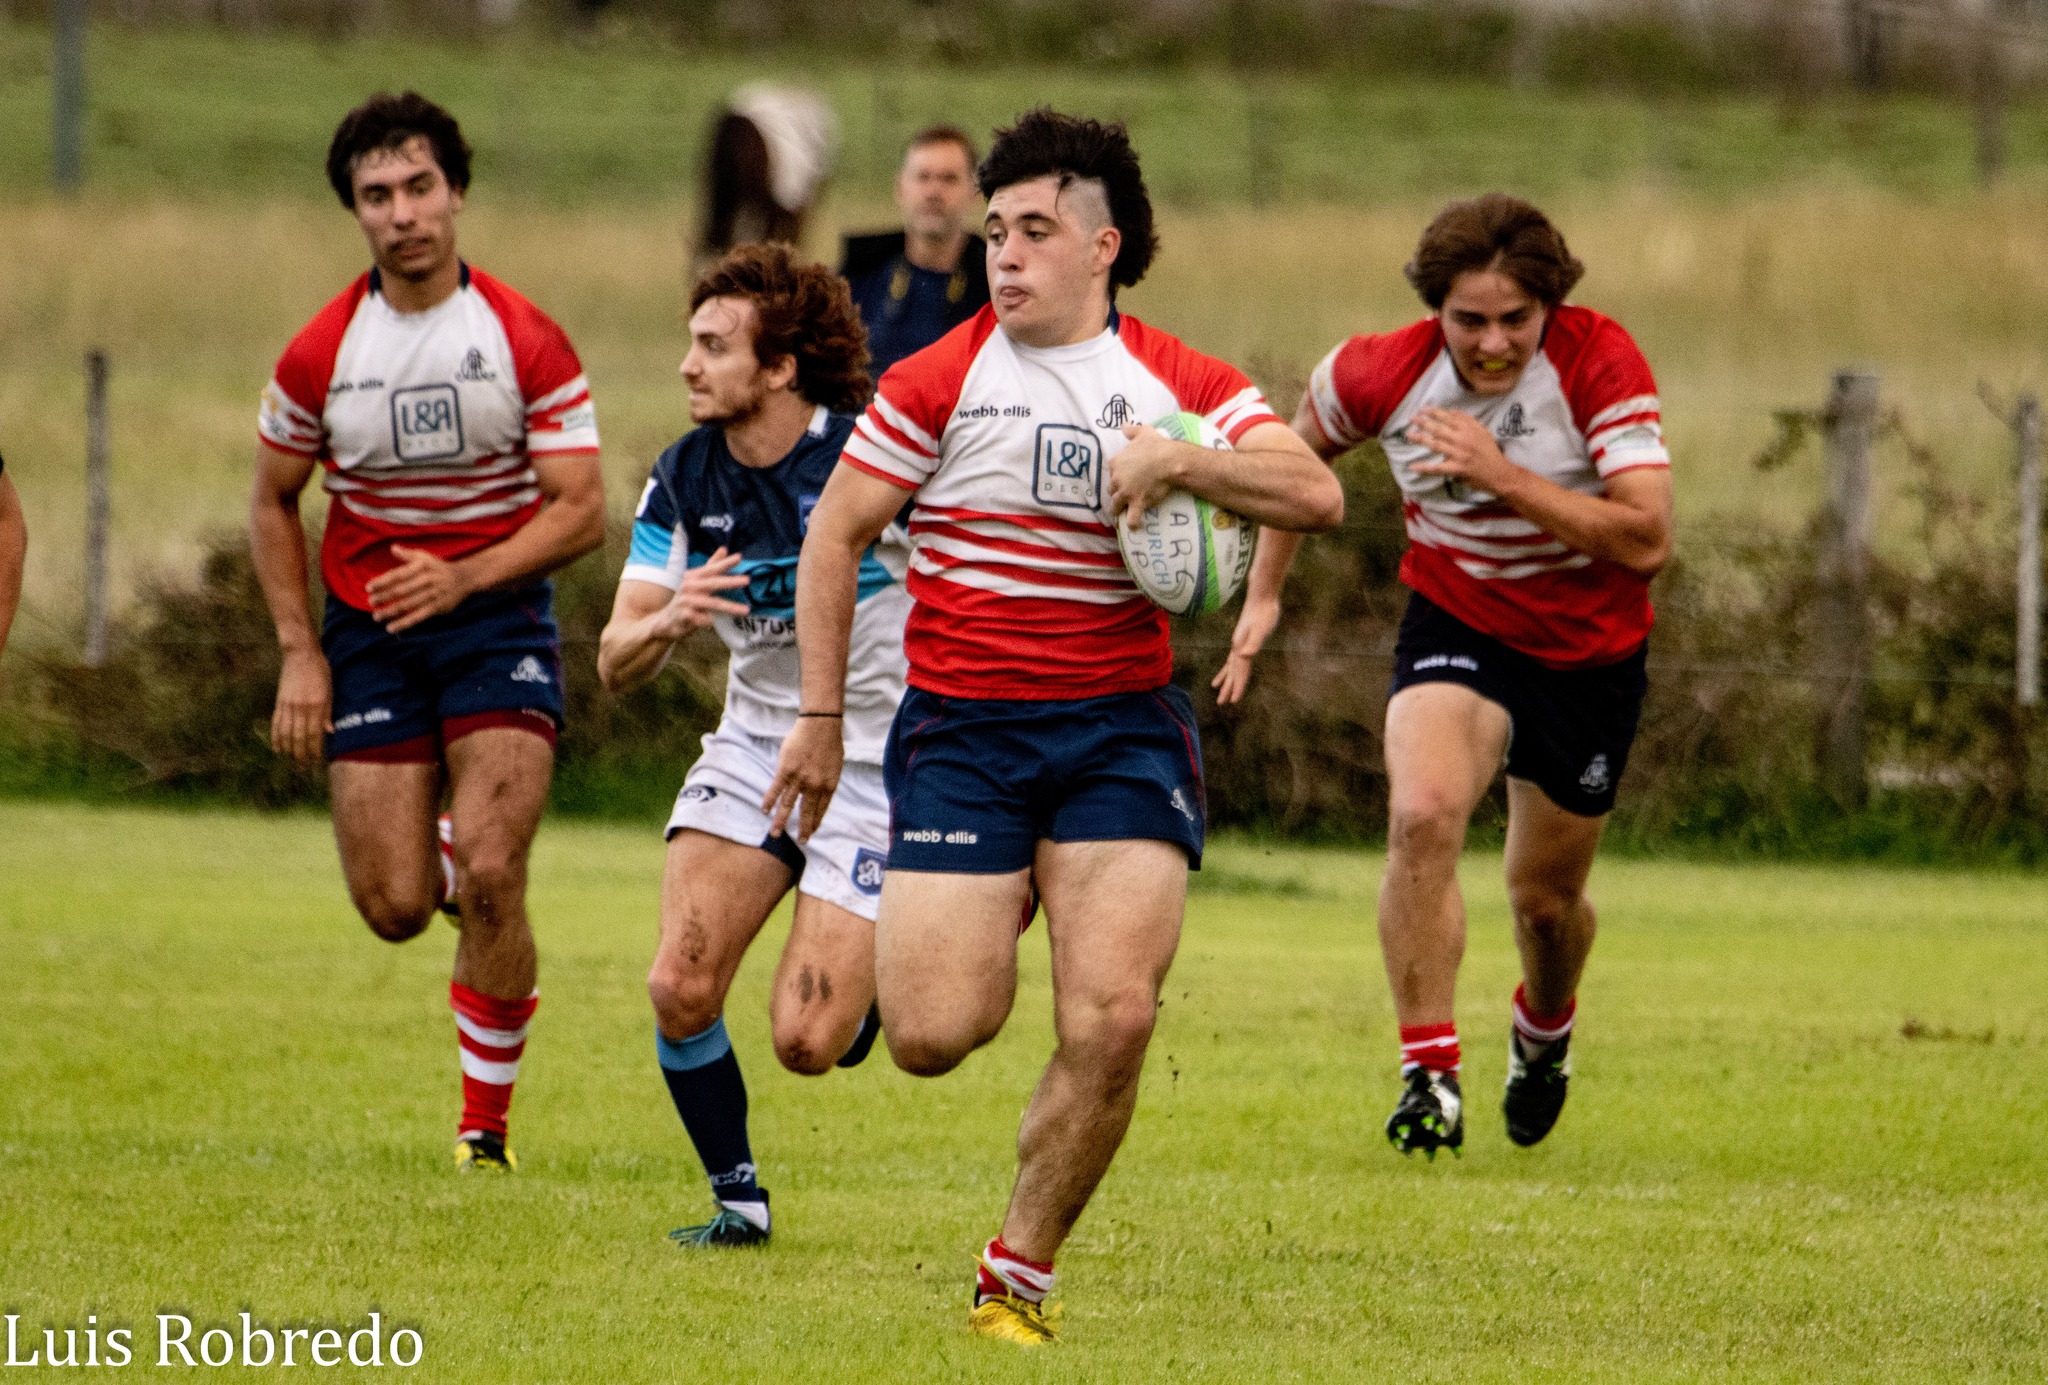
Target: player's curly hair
1494	232
1046	144
805	311
387	122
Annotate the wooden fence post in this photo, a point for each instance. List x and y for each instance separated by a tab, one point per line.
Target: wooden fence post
67	96
1843	634
2027	676
98	507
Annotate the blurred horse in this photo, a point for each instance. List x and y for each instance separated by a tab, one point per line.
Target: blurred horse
772	149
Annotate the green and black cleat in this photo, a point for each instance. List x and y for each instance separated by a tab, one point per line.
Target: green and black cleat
1536	1088
728	1229
1431	1115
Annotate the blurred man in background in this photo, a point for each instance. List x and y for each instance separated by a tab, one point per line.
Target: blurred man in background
915	285
13	549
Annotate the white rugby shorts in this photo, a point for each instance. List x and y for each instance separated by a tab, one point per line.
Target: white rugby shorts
843	860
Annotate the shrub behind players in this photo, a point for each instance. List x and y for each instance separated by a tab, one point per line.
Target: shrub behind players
1040	733
1525	435
460	453
775	370
13	552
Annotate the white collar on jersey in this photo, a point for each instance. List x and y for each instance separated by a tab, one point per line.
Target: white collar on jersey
820	416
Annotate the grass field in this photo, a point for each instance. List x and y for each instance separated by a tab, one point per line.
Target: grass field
1803	1145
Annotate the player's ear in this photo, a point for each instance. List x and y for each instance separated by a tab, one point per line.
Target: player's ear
454	198
782	375
1108	241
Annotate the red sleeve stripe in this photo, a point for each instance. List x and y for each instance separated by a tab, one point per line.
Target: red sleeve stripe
903	426
1626	409
577	391
1242	412
879	431
858	465
1328	406
906	468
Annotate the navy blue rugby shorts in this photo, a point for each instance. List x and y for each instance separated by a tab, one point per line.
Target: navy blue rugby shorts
495	660
1571	728
975	784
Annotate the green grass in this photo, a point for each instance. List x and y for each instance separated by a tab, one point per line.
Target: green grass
212	111
217	1093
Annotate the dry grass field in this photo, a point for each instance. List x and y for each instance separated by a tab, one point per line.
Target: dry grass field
1744	306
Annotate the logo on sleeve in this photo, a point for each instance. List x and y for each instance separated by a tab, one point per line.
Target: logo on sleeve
867	871
1116	413
426	423
1066	468
1596	778
528	670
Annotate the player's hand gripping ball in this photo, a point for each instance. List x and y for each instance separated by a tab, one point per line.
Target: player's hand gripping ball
1188	556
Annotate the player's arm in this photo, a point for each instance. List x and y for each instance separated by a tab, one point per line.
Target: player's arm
1630	524
1271	561
851	514
13	553
647	620
570	524
1271	477
277	545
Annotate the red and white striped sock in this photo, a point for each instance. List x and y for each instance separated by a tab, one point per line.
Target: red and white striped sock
492	1034
1003	1271
1432	1046
1539	1032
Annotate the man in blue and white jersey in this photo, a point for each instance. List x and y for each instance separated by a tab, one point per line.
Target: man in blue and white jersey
776	365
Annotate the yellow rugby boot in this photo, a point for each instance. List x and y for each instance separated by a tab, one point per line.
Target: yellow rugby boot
484	1153
1008	1318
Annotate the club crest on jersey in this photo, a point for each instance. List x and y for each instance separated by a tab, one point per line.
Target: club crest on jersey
473	368
1066	467
1513	426
867	870
1116	413
426	423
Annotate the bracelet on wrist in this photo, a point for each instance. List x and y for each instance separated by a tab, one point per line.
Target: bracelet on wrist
836	716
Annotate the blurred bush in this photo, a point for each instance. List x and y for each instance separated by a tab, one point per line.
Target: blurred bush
1725	759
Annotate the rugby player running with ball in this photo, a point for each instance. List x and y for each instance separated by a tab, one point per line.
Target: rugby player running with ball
775	370
1525	435
459	446
1040	736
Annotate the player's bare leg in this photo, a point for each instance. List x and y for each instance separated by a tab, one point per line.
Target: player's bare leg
824	985
946	963
1444	744
384	826
1549	856
715	895
499	786
1113	913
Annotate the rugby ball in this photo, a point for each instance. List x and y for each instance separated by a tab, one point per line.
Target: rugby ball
1189	556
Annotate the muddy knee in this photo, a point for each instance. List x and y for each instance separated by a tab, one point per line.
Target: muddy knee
686	1002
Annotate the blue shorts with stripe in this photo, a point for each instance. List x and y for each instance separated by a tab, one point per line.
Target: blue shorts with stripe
975	784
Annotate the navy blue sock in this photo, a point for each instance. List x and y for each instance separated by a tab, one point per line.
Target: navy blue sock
704	1081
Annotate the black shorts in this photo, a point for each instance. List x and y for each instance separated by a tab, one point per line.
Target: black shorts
1569	729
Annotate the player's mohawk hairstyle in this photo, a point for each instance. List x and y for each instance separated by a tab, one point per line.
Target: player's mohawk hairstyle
1046	144
1494	232
802	310
387	122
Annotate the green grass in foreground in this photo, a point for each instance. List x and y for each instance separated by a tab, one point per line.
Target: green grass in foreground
199	110
218	1093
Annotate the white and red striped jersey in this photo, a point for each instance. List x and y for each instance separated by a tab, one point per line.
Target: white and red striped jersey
1585	410
427	423
1019	588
